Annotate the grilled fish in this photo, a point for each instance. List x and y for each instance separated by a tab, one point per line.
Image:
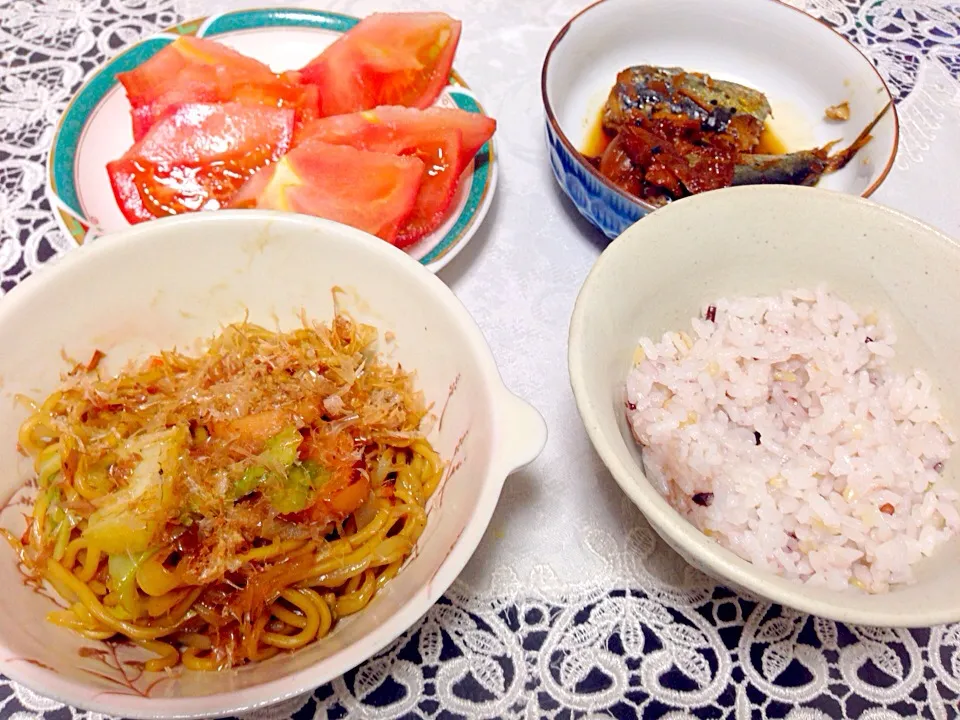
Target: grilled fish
676	133
720	107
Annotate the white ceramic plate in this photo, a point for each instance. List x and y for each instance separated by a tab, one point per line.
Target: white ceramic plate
172	281
95	128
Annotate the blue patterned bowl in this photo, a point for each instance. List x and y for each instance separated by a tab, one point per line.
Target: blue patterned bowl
608	208
800	64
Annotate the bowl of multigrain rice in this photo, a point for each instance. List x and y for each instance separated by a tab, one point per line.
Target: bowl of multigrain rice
770	374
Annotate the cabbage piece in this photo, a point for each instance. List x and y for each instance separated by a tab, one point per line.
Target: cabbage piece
250	481
287	483
280	452
122	580
128	518
282	448
297	487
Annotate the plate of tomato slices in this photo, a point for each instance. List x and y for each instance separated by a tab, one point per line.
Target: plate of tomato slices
360	121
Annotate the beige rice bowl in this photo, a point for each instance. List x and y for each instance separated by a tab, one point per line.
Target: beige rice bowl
777	426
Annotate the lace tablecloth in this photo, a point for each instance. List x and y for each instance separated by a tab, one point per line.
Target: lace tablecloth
571	607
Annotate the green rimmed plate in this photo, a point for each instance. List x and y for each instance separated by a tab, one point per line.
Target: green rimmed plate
95	128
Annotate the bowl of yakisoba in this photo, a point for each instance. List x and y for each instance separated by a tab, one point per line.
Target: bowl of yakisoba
240	453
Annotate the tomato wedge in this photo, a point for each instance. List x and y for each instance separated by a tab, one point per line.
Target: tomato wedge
440	152
444	139
197	70
388	126
372	191
386	59
196	157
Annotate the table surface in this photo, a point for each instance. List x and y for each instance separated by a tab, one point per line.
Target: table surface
571	606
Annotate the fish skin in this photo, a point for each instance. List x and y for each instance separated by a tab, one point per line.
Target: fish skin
804	167
797	168
718	105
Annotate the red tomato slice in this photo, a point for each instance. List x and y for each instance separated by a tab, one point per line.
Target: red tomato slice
445	139
386	59
197	70
372	191
195	57
196	157
384	127
440	153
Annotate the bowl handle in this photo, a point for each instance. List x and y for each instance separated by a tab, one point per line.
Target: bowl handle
522	429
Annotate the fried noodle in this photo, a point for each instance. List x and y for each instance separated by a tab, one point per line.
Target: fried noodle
222	508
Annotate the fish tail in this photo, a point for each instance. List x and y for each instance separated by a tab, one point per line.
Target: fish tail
840	160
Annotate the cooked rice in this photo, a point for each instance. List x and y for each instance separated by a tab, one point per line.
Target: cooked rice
780	430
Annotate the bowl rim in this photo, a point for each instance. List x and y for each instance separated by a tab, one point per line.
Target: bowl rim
724	564
643	204
505	457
